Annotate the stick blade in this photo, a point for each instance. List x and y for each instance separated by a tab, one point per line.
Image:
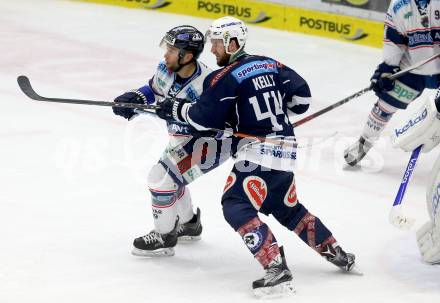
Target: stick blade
26	88
399	220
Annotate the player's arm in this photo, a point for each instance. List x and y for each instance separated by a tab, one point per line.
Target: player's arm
297	92
394	46
147	94
395	39
210	112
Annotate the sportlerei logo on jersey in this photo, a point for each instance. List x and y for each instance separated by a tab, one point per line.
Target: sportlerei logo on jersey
256	190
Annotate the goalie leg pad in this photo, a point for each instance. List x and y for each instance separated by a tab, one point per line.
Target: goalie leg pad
428	240
433	193
428	236
422	128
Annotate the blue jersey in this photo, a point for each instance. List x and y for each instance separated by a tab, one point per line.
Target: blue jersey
253	95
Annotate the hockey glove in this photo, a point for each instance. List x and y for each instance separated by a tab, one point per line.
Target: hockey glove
134	97
379	81
170	109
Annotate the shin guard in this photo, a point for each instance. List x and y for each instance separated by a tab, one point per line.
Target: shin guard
314	233
261	242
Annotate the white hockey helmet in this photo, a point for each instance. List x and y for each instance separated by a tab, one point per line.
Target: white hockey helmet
226	29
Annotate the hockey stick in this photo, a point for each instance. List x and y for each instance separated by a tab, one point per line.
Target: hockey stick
363	91
396	216
26	88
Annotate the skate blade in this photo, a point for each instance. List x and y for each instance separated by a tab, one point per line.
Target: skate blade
281	290
162	252
188	239
355	270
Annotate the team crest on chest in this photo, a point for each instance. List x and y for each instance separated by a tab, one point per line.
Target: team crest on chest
256	190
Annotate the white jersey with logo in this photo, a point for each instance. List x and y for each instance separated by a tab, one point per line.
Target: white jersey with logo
412	34
164	86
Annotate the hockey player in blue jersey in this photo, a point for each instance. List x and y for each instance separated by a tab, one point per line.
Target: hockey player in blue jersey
179	75
255	95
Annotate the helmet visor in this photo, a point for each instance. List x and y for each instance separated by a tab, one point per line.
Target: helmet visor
167	40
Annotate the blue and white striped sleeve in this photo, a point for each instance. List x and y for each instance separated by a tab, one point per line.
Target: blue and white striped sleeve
395	41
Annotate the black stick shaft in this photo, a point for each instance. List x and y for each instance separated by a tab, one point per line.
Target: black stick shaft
26	88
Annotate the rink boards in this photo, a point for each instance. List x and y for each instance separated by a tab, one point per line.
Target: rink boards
271	15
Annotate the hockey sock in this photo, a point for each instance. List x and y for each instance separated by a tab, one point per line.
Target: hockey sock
164	210
378	118
261	242
314	233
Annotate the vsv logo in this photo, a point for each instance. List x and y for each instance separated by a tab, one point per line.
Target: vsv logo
411	123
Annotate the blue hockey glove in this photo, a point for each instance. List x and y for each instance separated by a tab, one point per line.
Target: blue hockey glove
143	95
379	81
128	97
170	109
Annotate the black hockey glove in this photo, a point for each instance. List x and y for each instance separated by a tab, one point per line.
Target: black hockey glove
379	81
135	97
170	109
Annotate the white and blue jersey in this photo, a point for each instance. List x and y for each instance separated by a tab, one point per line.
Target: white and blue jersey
186	157
412	34
167	84
254	95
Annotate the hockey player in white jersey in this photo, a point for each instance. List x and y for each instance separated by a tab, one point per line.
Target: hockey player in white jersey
411	35
180	75
423	128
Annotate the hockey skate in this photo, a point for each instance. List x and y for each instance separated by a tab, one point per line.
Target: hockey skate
337	256
155	244
355	153
191	230
277	281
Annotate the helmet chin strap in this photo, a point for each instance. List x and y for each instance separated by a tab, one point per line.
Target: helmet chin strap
180	65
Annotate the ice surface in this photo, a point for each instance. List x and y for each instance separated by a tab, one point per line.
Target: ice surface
73	190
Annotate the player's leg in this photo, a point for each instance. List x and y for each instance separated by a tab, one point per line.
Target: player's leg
285	207
406	89
242	215
191	227
164	196
185	162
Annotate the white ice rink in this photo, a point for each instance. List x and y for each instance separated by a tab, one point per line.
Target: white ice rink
73	192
